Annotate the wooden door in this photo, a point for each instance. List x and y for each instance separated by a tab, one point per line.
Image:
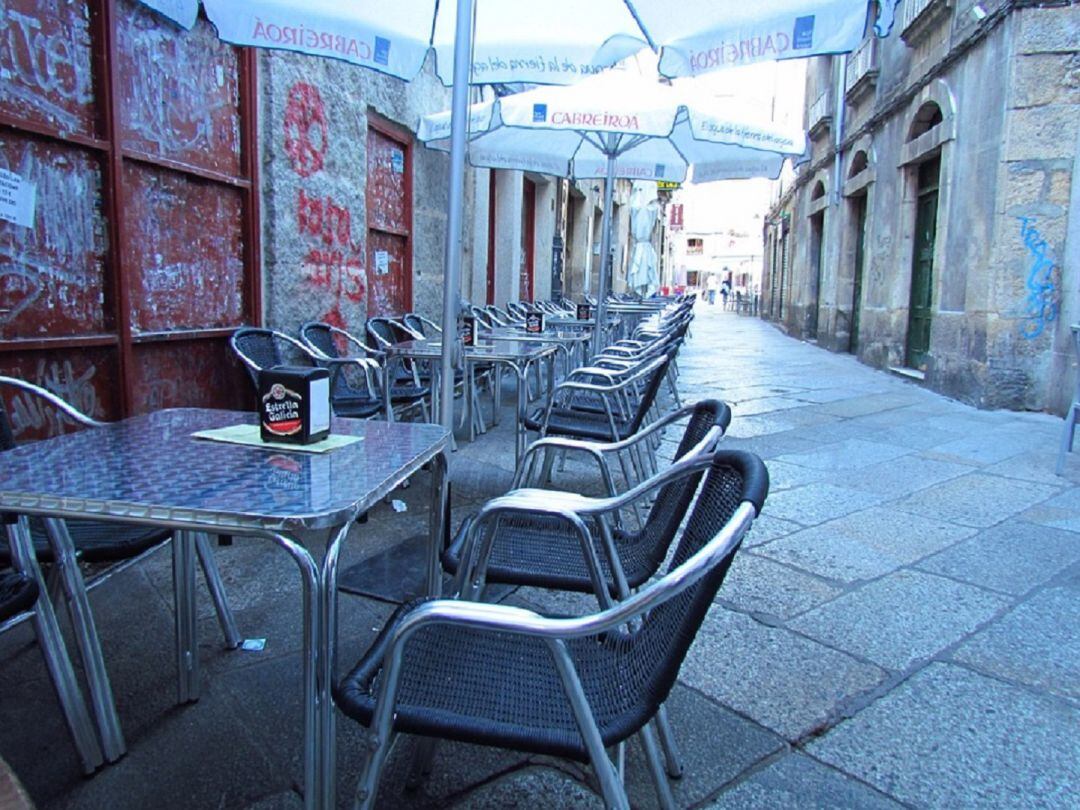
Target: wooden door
389	219
856	286
922	265
817	258
528	238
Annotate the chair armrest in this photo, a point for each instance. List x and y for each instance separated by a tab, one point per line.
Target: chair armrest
58	403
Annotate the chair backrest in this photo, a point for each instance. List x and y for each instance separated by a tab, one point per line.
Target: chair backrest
499	317
386	331
673	499
57	413
416	323
260	348
320	336
482	316
648	394
650	654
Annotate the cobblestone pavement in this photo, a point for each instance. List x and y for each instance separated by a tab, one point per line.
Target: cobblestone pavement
898	630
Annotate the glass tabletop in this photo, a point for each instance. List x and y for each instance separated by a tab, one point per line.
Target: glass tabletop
547	336
150	468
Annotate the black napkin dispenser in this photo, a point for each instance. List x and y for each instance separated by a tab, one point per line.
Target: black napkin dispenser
294	404
534	322
584	312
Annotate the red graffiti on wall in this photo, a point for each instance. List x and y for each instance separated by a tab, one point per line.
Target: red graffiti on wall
307	134
324	219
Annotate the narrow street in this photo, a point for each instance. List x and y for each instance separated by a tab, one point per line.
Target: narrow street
898	630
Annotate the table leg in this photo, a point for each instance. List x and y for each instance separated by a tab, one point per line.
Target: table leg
327	649
187	639
438	522
316	688
522	407
51	641
85	631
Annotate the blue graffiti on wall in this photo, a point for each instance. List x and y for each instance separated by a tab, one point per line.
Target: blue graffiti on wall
1041	305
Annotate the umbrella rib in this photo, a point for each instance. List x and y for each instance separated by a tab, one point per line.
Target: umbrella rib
637	18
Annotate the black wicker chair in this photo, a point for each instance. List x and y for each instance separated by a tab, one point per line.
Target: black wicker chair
260	349
569	687
331	342
537	550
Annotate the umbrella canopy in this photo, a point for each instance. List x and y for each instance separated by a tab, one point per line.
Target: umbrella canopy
553	42
642	277
655	131
619	125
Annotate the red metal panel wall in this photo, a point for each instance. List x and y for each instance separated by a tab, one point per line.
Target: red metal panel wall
180	92
88	378
46	63
140	140
189	373
52	275
389	220
183	248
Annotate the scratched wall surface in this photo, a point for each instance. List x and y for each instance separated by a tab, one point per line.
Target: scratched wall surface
179	91
196	373
51	275
183	249
87	378
45	63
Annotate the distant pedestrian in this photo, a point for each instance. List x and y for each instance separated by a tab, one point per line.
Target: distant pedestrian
725	291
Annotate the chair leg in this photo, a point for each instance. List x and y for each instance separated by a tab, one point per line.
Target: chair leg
667	741
423	757
1067	437
652	756
226	619
367	789
57	661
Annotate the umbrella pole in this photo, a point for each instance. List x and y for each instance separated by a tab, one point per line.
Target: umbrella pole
452	254
605	249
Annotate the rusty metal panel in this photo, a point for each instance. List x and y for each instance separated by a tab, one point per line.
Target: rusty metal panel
189	373
46	64
179	91
388	292
388	204
88	378
183	251
52	275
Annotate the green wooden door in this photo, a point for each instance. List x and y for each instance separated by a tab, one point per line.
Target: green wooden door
922	265
856	287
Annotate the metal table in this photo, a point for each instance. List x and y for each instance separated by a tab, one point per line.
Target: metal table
149	470
566	341
518	355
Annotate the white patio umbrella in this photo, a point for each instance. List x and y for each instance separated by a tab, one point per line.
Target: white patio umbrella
618	125
552	42
641	276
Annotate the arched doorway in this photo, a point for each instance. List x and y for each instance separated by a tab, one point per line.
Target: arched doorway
927	180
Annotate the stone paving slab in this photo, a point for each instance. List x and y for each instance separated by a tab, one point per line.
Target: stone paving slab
1036	643
760	586
1012	557
816	503
977	499
852	454
900	477
781	680
1061	512
797	780
950	738
898	620
866	544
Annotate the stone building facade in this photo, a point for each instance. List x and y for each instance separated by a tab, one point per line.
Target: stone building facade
935	228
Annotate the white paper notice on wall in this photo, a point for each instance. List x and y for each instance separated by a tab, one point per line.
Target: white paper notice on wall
397	161
382	262
17	199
